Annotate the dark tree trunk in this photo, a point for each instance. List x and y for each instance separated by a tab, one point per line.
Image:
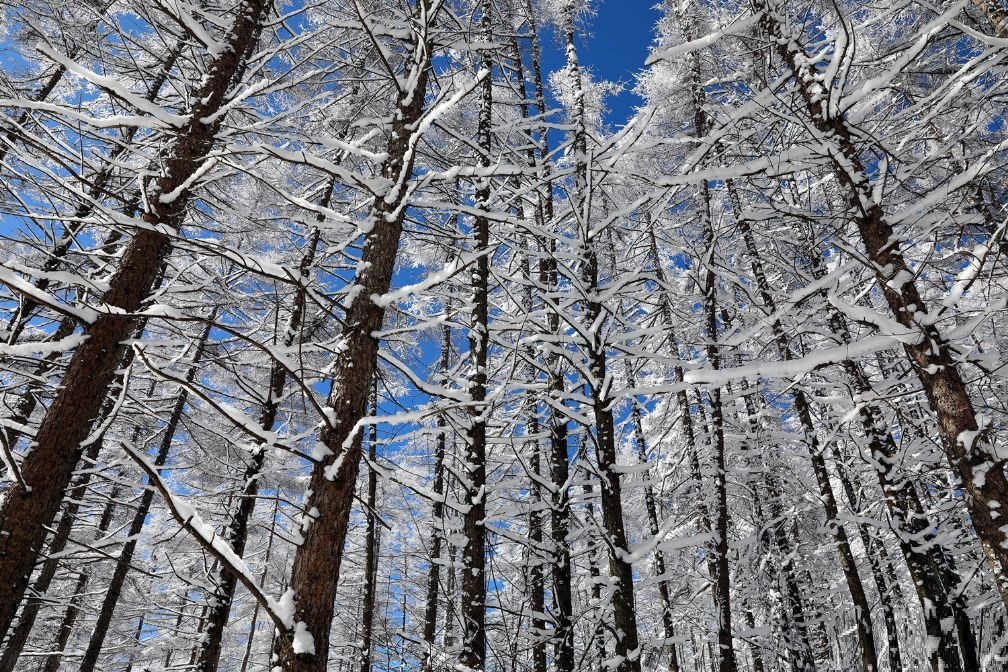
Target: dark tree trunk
559	467
668	626
224	581
437	514
19	634
537	598
862	610
52	662
473	654
905	510
597	642
99	183
315	574
262	580
878	576
372	541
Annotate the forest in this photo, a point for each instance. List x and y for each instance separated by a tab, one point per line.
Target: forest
355	335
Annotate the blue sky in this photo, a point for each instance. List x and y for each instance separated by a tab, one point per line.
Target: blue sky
614	45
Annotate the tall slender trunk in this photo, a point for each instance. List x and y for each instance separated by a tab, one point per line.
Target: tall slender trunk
917	541
449	615
125	560
315	574
99	183
668	626
25	514
236	534
536	582
262	580
722	580
597	640
558	459
372	543
19	634
437	512
473	654
803	659
875	563
627	646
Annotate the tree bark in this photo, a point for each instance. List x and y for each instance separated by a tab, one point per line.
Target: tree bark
315	573
473	654
668	625
437	514
224	581
52	662
862	610
99	183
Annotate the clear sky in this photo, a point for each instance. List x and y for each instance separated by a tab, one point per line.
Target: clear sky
614	46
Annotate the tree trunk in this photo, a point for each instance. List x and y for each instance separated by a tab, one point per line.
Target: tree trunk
52	661
537	600
473	654
315	573
597	641
862	610
878	576
437	514
906	513
373	545
224	581
19	634
99	182
668	626
559	460
262	581
25	514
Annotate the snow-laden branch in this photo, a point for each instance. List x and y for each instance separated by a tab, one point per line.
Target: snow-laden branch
280	611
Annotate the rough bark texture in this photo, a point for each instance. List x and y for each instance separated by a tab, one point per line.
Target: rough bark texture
99	184
52	661
47	470
668	626
19	634
315	574
437	513
862	610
